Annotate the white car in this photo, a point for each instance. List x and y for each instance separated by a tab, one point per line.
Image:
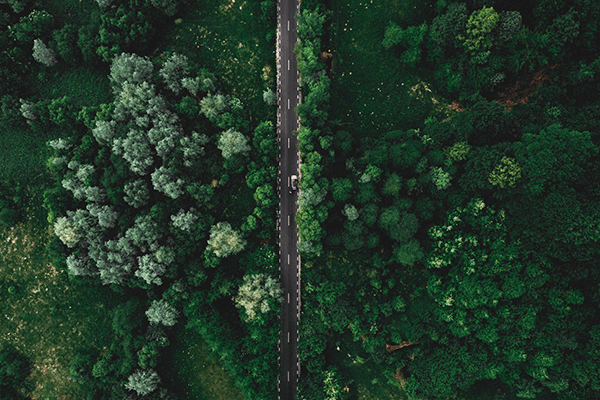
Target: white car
293	183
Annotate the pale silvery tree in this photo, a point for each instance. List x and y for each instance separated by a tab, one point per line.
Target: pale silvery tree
95	194
232	142
59	144
173	70
144	233
213	105
350	212
130	68
26	110
104	131
184	219
150	270
191	84
136	150
193	147
43	54
270	97
224	240
164	182
76	266
208	85
254	292
136	193
143	382
161	312
107	216
66	231
134	101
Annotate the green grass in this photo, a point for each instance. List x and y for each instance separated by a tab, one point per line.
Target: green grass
70	11
48	318
370	382
85	87
191	370
227	38
23	153
372	91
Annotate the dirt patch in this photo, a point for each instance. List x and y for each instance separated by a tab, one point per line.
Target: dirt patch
519	92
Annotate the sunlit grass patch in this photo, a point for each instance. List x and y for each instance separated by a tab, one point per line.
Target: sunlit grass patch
227	38
192	371
47	318
371	88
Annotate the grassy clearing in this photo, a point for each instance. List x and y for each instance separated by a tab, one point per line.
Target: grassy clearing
23	153
48	318
70	11
372	91
370	383
84	86
191	370
225	37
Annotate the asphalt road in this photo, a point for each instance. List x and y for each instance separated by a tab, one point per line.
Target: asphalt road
288	95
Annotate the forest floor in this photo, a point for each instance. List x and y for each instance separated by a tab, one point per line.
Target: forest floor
191	370
371	90
48	318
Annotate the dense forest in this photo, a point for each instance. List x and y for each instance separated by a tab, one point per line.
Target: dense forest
160	185
448	214
457	246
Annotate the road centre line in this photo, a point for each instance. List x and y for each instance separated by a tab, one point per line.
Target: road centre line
288	104
288	220
288	337
288	25
288	143
288	297
288	65
288	259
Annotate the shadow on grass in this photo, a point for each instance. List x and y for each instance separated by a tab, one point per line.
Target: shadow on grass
192	371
